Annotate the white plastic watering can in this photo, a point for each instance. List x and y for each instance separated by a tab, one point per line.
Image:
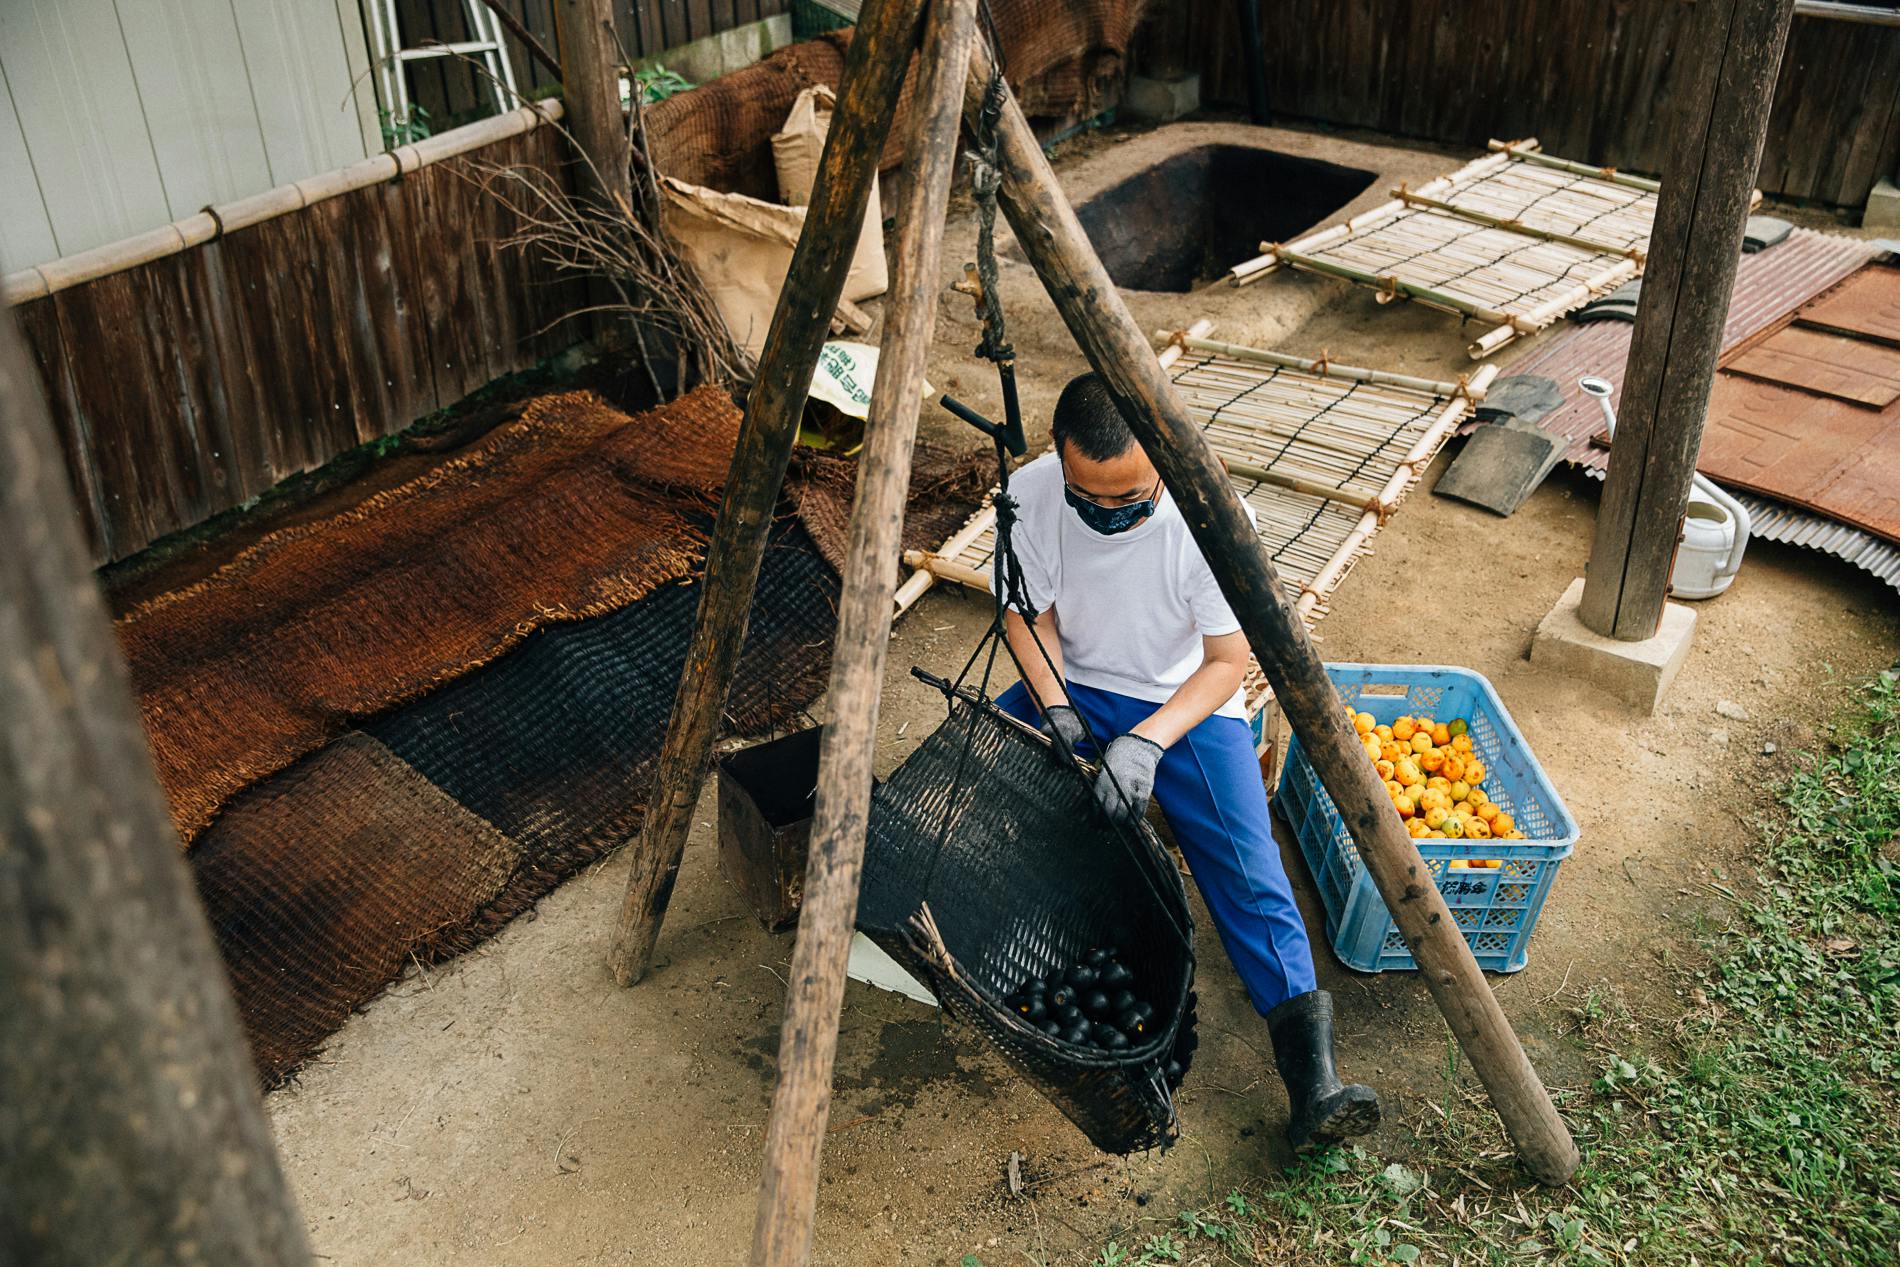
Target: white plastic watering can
1714	526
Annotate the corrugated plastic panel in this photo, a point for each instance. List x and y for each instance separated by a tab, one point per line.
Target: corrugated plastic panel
1774	521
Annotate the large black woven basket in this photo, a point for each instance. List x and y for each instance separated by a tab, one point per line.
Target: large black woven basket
1030	878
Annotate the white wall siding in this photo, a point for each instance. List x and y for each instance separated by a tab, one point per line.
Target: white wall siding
190	68
79	110
301	76
123	115
26	234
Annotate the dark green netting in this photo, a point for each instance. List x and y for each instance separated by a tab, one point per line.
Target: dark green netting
429	829
552	743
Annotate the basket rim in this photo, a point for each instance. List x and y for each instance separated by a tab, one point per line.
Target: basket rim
1353	673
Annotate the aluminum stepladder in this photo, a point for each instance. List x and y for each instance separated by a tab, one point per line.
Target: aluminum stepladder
392	59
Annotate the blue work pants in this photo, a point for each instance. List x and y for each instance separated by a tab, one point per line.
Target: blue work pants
1210	790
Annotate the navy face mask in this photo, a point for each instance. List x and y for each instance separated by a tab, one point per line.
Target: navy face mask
1109	520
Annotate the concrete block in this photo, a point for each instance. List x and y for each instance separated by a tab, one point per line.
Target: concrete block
1883	207
707	59
1161	100
1636	672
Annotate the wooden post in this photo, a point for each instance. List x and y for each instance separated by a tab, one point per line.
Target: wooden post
1708	182
130	1126
1253	60
1053	241
590	83
808	1041
873	73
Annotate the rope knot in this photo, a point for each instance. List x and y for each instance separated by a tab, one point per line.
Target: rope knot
985	178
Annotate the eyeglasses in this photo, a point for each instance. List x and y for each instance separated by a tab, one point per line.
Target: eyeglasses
1110	503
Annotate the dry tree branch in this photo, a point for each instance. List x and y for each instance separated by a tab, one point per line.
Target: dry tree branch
651	283
626	247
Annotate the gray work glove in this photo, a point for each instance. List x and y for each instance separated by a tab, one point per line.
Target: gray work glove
1131	760
1064	726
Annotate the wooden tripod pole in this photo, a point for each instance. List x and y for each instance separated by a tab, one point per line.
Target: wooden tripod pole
1709	182
808	1042
590	83
873	73
1053	241
130	1125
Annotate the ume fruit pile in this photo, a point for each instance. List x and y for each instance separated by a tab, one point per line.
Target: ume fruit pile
1434	778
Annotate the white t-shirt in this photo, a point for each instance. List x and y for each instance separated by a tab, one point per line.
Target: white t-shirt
1132	608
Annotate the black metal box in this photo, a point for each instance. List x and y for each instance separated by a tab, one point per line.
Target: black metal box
765	807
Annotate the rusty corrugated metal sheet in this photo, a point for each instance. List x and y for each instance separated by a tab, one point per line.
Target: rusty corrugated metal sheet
1768	286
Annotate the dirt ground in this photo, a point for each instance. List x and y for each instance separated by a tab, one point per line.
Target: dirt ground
515	1107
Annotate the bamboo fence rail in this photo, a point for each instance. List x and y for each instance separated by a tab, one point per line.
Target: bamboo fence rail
1322	454
213	223
1515	239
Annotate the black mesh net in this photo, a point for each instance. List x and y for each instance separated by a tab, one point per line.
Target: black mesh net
552	743
1029	878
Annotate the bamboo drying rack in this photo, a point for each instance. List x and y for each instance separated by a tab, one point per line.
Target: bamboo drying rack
1322	453
1515	239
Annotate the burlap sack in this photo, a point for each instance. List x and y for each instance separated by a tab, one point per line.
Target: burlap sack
741	248
796	149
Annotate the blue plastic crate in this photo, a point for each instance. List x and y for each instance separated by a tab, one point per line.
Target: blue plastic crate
1496	907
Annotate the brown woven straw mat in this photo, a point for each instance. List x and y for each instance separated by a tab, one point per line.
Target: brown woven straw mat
572	511
945	485
322	883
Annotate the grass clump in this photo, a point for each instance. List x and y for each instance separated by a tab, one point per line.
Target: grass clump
1762	1127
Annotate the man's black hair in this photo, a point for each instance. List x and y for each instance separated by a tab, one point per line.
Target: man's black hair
1086	417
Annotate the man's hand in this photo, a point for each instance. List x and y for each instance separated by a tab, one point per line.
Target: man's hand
1127	778
1064	726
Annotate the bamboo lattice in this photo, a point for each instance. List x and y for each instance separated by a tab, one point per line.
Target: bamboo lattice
1322	454
1515	239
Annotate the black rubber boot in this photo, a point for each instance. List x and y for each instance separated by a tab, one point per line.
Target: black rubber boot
1324	1111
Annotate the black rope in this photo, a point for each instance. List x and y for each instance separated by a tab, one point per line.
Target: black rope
1310	419
1010	589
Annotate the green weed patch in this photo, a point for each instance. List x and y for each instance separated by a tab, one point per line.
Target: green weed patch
1761	1127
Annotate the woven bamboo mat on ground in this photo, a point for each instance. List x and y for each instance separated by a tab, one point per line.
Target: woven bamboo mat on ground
1322	455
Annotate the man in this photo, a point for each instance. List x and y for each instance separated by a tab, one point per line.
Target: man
1142	646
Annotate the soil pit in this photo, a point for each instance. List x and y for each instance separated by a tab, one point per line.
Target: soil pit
1195	214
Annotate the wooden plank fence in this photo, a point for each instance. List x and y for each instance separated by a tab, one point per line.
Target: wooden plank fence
1589	79
189	384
